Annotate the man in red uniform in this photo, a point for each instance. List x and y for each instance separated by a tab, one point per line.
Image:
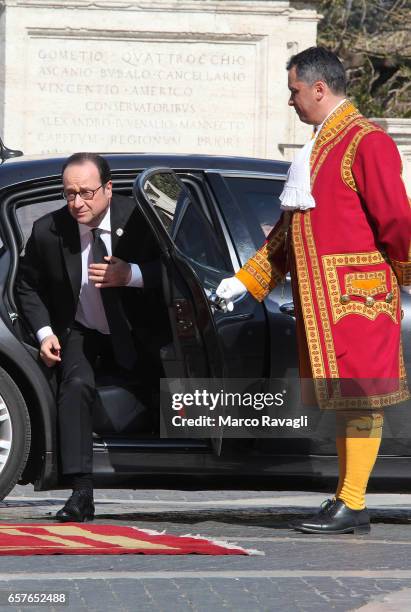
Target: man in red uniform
345	235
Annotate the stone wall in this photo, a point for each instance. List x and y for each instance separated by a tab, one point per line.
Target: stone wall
189	76
400	132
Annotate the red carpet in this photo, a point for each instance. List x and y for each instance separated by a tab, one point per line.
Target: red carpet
89	539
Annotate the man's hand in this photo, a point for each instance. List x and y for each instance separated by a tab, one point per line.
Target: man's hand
114	273
50	351
229	289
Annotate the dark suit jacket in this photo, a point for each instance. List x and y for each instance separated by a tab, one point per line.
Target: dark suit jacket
49	279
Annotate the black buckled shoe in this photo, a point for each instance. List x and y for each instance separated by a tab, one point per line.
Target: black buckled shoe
78	508
335	517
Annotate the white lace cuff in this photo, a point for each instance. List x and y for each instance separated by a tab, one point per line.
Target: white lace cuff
293	198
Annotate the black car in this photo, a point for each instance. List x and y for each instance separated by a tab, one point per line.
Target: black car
230	205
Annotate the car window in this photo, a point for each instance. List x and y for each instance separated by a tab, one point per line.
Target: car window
183	213
259	202
196	237
26	215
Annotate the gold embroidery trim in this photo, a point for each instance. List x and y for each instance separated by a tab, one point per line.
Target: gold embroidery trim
332	132
259	274
337	121
365	283
374	401
402	270
371	401
326	151
350	152
307	304
330	265
321	301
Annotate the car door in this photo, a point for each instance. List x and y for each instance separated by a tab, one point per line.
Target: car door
208	341
250	205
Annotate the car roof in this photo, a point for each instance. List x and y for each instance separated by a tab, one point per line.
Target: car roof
26	168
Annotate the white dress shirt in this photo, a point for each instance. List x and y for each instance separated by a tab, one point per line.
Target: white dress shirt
90	309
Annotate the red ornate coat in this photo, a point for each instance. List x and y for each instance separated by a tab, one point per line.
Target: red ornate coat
347	257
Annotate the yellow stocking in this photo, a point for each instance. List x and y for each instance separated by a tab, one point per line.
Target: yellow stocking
357	453
342	463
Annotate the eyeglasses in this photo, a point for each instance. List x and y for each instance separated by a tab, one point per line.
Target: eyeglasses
87	194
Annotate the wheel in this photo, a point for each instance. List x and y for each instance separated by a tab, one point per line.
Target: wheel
15	434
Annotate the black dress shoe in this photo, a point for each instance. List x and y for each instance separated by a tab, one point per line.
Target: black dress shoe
78	508
335	517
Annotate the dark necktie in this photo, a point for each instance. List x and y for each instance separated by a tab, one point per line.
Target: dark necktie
121	338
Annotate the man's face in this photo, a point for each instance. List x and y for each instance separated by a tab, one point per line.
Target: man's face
80	178
304	98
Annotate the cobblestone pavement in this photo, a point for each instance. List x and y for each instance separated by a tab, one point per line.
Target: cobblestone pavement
297	571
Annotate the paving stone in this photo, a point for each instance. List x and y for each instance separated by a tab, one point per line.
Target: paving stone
230	515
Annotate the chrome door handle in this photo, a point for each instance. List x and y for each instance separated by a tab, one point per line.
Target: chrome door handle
216	302
288	309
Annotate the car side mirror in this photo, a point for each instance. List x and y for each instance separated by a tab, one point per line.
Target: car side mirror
6	153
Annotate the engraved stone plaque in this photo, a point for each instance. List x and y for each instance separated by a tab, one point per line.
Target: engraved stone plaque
113	95
175	76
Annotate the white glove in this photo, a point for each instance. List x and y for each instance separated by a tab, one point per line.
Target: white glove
230	288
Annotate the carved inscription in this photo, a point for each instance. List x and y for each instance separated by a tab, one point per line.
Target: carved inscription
192	97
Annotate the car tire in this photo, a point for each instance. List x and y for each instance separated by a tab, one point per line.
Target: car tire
15	433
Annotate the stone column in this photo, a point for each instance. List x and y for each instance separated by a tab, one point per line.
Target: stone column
400	132
189	76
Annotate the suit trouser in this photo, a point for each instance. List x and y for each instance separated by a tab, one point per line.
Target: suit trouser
77	395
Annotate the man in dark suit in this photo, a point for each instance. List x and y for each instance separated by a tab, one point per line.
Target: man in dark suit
89	286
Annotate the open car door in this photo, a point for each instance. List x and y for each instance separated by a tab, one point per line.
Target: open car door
208	340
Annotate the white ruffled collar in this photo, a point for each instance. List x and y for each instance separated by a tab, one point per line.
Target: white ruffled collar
296	194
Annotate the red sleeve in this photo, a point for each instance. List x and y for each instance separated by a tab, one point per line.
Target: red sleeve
377	173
